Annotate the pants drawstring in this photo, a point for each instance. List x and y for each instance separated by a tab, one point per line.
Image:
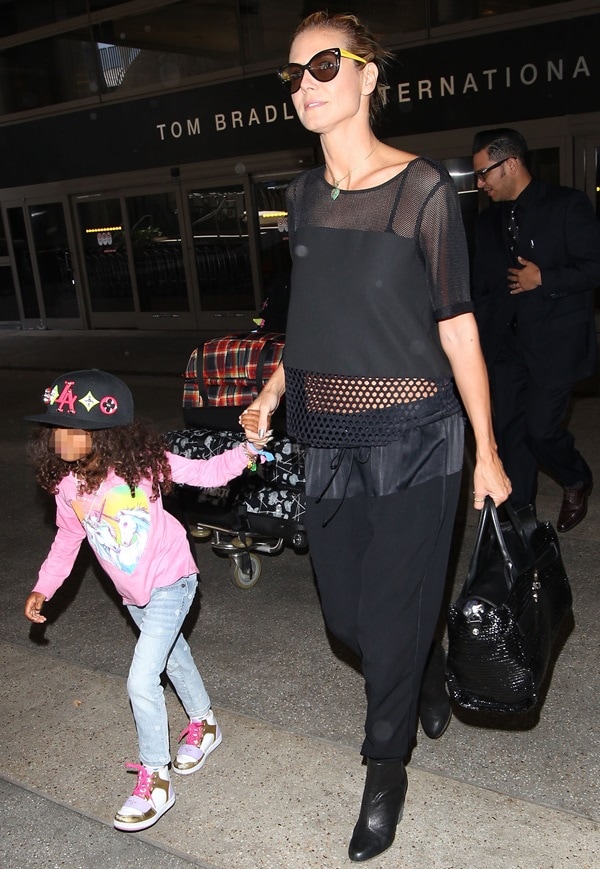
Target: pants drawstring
361	456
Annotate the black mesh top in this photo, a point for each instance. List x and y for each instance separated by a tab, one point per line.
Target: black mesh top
373	272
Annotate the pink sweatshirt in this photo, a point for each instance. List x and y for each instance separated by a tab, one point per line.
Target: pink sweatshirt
139	544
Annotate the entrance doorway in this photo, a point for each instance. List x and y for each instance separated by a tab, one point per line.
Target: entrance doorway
169	258
42	290
132	254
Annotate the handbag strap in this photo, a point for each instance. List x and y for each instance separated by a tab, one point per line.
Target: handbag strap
489	517
522	528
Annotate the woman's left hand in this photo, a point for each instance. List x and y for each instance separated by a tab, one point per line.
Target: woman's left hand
460	339
489	478
250	423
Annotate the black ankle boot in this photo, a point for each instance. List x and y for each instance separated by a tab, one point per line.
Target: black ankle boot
435	710
380	810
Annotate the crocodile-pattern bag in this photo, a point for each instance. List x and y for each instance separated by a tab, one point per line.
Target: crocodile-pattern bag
502	626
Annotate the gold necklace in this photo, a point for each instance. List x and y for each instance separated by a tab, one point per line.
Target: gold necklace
336	184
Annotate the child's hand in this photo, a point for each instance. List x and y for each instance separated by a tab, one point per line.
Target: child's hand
33	605
258	438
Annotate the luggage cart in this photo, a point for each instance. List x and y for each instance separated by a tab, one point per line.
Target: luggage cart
260	512
256	514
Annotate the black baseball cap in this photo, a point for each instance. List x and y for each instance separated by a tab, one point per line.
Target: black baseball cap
91	399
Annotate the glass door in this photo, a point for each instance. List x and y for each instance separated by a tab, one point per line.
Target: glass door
587	177
133	254
157	250
222	230
590	161
106	261
9	302
275	258
43	274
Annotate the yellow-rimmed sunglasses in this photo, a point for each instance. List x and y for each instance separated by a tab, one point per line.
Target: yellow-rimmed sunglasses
324	66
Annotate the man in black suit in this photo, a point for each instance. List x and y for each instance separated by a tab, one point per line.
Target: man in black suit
537	263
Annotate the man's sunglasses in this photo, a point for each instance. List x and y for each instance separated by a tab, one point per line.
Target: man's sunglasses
480	174
324	66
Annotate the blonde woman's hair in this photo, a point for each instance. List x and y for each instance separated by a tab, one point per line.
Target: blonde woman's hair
357	40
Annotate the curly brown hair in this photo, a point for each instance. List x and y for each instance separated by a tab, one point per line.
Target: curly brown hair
135	452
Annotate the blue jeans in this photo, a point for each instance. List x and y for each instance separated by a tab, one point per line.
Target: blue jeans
162	646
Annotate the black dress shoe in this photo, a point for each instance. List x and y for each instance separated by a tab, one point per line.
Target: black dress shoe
574	507
435	710
380	810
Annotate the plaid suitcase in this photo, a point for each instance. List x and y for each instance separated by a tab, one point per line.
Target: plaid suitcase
226	374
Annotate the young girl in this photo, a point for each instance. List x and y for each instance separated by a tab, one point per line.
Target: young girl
107	472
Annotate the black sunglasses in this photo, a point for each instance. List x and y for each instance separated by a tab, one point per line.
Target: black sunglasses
324	66
480	174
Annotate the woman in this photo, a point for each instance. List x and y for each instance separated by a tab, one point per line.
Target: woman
380	328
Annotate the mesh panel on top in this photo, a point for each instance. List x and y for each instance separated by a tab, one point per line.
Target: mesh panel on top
419	206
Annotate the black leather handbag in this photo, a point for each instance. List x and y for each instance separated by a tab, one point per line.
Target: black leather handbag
502	626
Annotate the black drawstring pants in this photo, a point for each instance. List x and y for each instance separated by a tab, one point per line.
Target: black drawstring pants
381	567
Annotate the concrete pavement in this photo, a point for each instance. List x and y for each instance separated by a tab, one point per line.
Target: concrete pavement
284	788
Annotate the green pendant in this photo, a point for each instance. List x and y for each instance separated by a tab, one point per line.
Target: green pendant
335	193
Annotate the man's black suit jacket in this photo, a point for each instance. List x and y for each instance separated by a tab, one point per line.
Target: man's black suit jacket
560	233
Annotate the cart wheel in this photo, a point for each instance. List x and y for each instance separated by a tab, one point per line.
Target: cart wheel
200	532
246	579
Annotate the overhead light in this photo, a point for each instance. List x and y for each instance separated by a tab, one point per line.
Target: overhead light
104	229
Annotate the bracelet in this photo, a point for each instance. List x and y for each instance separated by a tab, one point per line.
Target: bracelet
252	454
251	463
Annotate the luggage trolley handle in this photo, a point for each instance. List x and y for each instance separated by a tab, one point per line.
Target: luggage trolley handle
262	358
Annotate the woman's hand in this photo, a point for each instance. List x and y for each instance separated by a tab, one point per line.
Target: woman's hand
33	605
489	478
256	419
250	419
460	340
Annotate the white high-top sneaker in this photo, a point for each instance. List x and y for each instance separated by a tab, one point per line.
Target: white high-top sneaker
152	796
201	737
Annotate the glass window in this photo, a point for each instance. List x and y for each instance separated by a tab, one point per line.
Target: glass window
169	45
598	182
461	171
9	309
275	259
164	47
544	163
222	254
155	49
46	72
3	239
18	233
268	26
598	209
157	252
106	263
18	16
53	257
455	11
22	15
